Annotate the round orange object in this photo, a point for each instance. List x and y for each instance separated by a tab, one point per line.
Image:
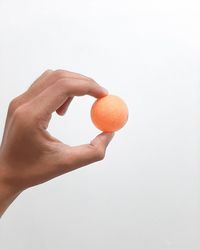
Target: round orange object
109	113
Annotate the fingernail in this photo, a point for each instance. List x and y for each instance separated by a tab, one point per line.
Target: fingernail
109	136
105	90
112	134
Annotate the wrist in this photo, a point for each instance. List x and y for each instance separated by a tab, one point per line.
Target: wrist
7	193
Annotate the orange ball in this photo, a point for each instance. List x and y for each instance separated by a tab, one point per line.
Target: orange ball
109	113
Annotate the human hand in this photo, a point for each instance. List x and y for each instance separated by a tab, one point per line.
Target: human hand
29	155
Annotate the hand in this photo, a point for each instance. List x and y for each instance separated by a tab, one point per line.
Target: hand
29	155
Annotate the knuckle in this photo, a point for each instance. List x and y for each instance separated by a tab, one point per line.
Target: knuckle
19	114
99	154
91	80
59	73
62	83
47	72
22	115
69	86
13	105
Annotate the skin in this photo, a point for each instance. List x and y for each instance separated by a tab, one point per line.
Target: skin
29	155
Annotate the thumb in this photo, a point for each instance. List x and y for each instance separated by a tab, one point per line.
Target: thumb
82	155
102	140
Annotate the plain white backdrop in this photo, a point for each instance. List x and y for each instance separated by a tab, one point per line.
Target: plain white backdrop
145	195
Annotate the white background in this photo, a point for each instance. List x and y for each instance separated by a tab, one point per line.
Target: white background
145	195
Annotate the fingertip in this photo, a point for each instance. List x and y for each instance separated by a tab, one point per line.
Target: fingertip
108	135
103	138
60	113
98	91
64	107
105	91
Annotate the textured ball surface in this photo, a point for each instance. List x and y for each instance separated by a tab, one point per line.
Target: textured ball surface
109	113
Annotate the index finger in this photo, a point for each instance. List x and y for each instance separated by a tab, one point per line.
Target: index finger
54	96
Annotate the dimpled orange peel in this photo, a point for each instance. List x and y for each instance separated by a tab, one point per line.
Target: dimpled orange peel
109	113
